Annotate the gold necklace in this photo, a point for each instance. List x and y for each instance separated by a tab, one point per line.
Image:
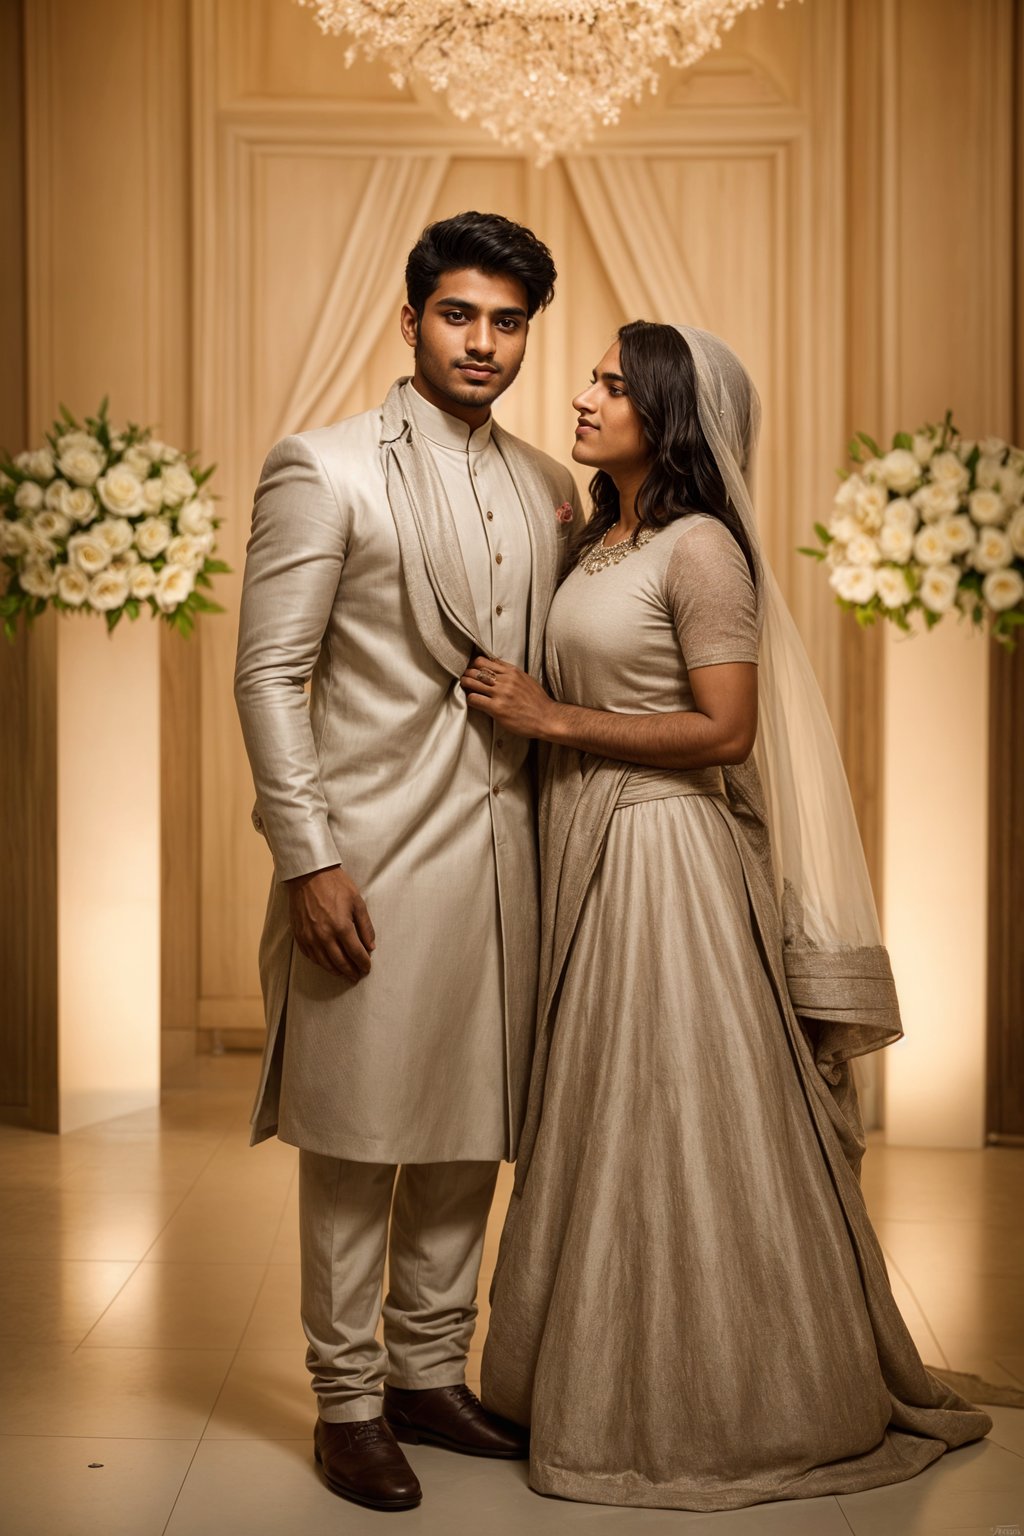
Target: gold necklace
597	557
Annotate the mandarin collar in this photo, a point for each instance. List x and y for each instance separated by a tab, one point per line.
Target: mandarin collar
440	428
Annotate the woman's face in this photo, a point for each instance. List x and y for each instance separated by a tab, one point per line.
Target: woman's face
608	434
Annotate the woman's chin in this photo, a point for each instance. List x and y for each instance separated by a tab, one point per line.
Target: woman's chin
580	452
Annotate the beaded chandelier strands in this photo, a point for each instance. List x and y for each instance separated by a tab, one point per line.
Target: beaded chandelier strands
539	75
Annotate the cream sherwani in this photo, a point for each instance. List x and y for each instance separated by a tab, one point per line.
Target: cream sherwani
387	772
384	550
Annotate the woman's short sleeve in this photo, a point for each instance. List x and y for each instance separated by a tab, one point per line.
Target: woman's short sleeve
711	596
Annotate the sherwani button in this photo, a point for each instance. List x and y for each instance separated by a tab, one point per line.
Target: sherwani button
490	517
497	608
496	790
499	741
497	559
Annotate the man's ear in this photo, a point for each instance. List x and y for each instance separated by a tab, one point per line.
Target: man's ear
410	324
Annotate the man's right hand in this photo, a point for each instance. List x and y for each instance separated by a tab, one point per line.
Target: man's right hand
330	922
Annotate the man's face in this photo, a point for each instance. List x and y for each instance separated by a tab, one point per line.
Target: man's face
469	342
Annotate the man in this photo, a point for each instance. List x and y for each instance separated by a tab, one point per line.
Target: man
399	955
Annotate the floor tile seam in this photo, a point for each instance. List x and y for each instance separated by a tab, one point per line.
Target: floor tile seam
177	1263
284	1212
180	1203
213	1406
134	1439
846	1519
178	1490
1017	1375
227	1373
914	1297
195	1349
235	1352
992	1437
137	1263
1011	1224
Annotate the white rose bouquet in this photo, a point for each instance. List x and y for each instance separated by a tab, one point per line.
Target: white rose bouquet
936	523
106	522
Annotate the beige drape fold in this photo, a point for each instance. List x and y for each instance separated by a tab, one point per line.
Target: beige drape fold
619	199
366	288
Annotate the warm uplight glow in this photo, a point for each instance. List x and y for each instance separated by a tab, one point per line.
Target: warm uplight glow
935	857
108	729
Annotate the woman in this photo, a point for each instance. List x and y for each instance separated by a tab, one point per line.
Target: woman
690	1308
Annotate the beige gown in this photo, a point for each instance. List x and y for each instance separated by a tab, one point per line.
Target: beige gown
690	1308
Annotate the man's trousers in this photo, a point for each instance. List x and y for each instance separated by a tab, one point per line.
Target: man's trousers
438	1217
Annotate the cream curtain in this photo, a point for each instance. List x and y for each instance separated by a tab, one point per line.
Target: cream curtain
366	287
619	200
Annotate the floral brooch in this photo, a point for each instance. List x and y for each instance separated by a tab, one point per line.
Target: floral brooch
564	513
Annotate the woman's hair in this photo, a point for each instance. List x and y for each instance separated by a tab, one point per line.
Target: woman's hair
683	477
487	242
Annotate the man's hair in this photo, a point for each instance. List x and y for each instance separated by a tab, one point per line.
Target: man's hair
487	242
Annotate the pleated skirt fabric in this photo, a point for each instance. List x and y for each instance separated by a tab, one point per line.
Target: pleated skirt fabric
690	1309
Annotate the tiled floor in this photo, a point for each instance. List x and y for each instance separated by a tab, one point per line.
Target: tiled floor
152	1359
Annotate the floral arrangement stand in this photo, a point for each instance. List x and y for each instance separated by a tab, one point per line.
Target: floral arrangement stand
933	527
117	525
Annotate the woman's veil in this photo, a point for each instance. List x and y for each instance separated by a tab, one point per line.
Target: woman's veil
837	969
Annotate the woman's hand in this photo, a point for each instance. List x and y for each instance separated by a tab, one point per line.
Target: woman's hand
510	697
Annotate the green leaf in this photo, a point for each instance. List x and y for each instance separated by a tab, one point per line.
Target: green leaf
870	444
815	554
853	449
949	431
823	534
132	608
903	440
216	568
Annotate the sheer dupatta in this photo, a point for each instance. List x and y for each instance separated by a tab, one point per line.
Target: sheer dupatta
791	798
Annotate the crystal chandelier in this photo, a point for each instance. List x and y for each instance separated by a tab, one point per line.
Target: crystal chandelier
539	75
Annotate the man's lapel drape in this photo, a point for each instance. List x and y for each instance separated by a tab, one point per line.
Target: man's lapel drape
535	498
435	575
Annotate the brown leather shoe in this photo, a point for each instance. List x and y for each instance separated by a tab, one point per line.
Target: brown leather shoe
453	1417
363	1462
